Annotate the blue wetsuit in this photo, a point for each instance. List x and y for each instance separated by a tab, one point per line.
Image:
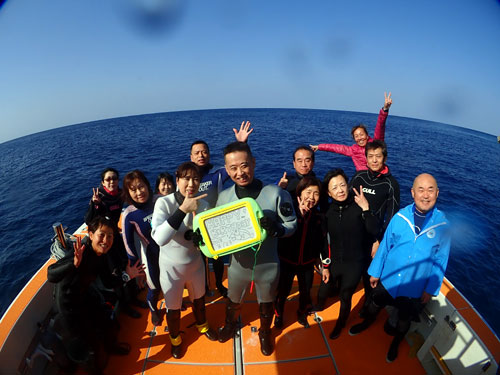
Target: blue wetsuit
136	233
212	183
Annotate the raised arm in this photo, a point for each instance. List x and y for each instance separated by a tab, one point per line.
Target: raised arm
244	132
382	118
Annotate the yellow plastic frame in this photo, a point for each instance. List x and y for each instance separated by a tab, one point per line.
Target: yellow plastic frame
255	213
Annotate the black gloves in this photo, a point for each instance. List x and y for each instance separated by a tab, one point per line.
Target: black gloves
196	237
271	226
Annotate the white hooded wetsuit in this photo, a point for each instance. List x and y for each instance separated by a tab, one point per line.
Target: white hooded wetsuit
181	263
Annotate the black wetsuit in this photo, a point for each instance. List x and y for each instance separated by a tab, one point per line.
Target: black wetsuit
83	318
110	206
298	254
350	233
381	190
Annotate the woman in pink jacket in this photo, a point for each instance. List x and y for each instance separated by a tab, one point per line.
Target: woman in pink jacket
361	137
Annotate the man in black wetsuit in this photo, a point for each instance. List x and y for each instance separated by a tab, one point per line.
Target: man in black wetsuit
379	187
212	182
382	193
303	163
83	321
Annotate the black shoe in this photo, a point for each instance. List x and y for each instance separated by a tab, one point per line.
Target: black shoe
302	320
156	317
392	354
266	343
131	312
336	332
227	332
177	351
278	322
211	334
358	328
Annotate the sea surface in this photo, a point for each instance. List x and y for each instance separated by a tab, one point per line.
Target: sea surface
48	177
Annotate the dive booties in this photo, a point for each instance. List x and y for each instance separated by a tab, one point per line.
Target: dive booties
231	322
265	334
201	320
174	325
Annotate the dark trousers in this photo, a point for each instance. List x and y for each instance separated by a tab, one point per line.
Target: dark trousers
305	275
407	308
347	275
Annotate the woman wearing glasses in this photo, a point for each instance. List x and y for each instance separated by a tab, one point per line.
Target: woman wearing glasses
106	200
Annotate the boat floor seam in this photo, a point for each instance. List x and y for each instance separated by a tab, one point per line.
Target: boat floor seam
319	320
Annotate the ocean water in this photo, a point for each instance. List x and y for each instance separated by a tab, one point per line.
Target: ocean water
48	177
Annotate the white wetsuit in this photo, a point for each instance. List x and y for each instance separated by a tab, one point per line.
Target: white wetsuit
181	264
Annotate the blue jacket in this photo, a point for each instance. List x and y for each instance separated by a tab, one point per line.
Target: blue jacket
409	264
212	183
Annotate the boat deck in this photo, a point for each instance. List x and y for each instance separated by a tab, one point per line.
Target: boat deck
298	350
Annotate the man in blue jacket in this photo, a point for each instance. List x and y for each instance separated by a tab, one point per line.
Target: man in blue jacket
409	265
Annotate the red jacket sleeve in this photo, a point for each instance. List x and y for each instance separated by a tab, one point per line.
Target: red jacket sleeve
380	127
338	149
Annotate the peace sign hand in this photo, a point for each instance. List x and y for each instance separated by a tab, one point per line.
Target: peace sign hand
95	195
387	101
79	248
314	147
360	199
303	206
190	204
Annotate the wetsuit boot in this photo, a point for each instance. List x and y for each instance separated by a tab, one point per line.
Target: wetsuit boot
265	334
279	304
174	328
392	354
218	265
232	313
201	320
402	327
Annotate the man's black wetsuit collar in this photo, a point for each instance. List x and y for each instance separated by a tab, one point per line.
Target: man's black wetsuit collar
252	190
205	169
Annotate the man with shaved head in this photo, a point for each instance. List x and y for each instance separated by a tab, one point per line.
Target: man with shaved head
409	265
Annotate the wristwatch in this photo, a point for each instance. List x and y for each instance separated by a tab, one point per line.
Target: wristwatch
125	277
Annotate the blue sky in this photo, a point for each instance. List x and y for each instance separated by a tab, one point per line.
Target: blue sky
66	62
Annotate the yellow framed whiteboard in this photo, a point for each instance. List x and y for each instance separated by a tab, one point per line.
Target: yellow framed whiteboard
230	228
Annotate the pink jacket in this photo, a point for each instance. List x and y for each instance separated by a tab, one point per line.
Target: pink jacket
357	153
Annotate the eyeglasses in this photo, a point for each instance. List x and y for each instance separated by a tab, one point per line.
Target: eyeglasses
108	179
